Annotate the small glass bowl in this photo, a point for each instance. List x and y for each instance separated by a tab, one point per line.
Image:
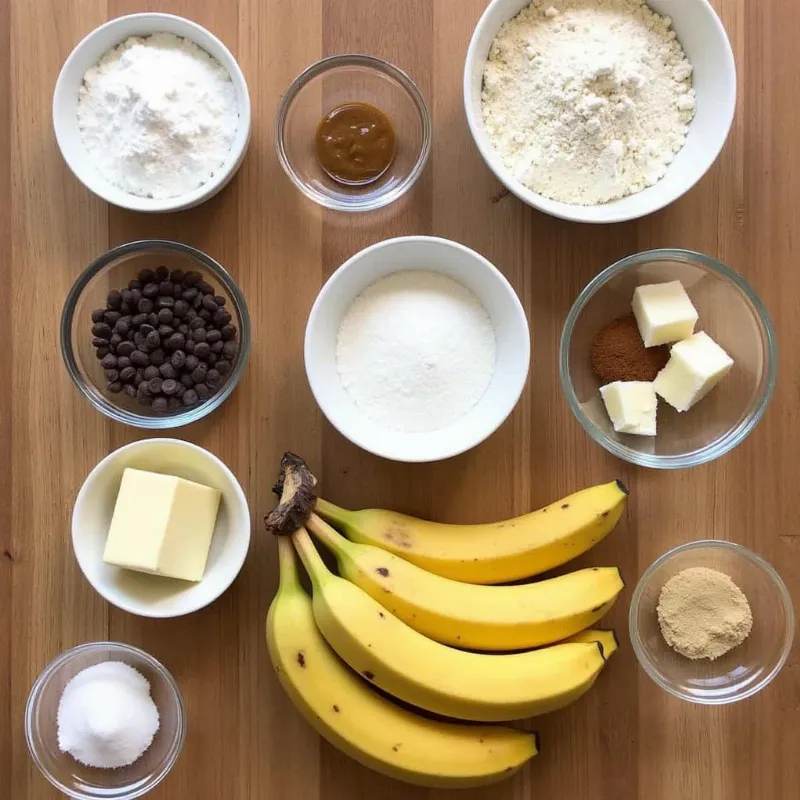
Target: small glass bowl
730	312
113	270
344	79
744	670
88	783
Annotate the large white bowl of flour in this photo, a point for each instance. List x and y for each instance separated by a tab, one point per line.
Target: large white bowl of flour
439	315
703	38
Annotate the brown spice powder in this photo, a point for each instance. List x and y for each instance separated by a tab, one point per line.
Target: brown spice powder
703	613
618	353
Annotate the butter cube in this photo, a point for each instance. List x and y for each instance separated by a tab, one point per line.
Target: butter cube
696	365
162	525
631	405
663	312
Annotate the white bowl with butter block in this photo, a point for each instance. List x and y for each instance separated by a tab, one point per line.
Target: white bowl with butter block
161	528
716	386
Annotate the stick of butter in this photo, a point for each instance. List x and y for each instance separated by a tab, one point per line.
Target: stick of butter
631	405
663	312
696	365
162	525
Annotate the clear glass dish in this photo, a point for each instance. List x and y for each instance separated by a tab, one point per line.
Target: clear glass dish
113	270
730	312
352	78
744	670
89	783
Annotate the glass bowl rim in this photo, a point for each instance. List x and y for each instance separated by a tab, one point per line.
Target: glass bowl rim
733	437
740	551
115	412
33	696
370	62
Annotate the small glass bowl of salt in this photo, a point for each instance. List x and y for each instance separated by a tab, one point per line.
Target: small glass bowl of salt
46	728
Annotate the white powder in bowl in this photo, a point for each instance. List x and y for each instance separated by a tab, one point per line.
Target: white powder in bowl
158	116
416	351
106	716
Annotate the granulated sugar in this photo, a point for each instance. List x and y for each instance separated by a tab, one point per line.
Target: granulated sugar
416	351
106	717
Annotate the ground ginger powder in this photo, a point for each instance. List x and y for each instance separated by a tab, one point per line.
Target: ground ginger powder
703	613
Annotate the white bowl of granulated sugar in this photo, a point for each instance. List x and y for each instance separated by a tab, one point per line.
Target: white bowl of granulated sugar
599	110
417	349
152	113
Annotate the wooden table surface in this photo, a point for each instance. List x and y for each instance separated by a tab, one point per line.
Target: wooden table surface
626	739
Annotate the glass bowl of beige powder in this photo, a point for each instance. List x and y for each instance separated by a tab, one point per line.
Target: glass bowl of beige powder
711	622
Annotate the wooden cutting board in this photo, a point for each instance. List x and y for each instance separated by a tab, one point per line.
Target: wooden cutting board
624	740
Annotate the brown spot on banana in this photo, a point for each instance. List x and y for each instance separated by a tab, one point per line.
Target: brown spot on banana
383	572
301	659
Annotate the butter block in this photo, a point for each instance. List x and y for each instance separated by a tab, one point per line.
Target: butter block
162	524
631	405
663	312
696	365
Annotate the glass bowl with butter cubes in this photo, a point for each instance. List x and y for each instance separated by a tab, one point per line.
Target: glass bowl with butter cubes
668	359
161	528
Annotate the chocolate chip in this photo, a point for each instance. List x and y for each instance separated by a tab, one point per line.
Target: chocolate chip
217	347
123	361
202	350
159	404
145	305
229	350
177	276
151	372
114	299
213	336
150	291
173	403
190	397
178	359
165	316
158	357
192	278
199	334
129	389
98	315
176	341
114	387
223	366
146	276
169	386
138	320
228	332
180	308
213	378
167	370
162	273
112	375
125	349
127	375
109	361
155	383
101	330
202	391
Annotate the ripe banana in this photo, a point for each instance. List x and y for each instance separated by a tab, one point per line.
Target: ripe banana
454	683
466	615
364	725
498	552
606	639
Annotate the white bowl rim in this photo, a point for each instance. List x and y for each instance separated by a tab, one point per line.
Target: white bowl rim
753	558
569	211
86	647
512	396
119	197
135	608
725	443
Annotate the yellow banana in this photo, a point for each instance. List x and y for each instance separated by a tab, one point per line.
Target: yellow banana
454	683
366	726
497	552
606	639
466	615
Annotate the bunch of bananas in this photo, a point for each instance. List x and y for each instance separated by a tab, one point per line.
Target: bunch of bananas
409	595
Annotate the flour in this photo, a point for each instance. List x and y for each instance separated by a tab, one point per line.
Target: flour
157	116
416	351
587	101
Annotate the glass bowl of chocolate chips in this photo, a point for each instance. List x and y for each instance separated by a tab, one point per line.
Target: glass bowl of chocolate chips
668	359
155	334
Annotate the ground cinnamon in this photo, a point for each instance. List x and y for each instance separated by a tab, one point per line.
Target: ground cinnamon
618	353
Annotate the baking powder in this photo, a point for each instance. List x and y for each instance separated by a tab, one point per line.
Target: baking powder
106	717
416	351
587	101
157	116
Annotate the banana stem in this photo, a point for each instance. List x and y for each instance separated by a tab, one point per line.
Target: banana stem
311	559
288	564
327	535
331	513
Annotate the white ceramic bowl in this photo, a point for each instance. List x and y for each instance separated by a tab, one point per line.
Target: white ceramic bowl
706	44
152	595
65	102
459	263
